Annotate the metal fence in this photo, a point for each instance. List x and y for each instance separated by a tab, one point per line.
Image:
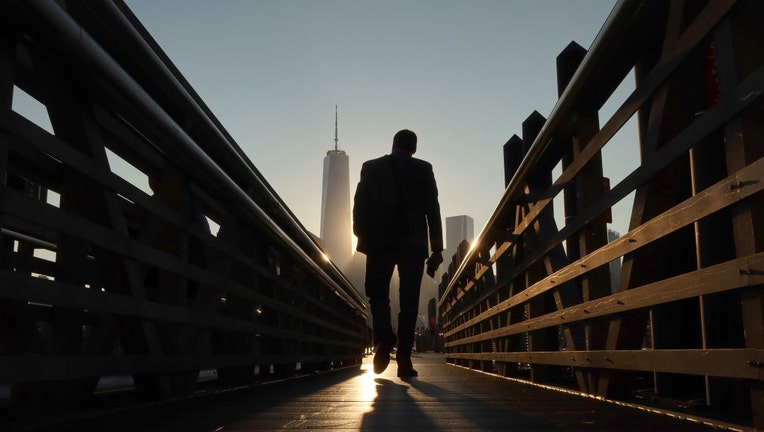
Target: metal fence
680	326
101	275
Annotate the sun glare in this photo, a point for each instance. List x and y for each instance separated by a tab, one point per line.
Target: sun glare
368	388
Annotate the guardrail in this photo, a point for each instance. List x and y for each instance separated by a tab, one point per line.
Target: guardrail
681	325
100	276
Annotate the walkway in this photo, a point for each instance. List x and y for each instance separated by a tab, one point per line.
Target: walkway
444	397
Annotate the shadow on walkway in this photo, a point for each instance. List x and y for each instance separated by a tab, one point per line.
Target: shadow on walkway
417	405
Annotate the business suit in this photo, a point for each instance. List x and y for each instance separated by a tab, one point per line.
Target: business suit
394	187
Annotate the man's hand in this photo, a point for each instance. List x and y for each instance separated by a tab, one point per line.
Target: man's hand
433	262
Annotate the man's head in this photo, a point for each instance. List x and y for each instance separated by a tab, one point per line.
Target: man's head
405	140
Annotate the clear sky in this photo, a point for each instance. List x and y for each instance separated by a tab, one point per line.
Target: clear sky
462	74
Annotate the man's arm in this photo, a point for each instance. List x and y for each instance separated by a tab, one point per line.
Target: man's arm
432	210
360	208
434	225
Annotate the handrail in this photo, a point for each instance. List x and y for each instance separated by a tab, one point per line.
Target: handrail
29	239
622	13
79	43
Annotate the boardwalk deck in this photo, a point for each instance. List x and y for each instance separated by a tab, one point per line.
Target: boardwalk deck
444	397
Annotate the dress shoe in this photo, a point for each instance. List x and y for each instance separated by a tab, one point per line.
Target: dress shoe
382	358
407	372
405	367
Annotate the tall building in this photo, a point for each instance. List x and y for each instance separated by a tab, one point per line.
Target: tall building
335	204
459	228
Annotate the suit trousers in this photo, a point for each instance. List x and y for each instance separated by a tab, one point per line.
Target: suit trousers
379	272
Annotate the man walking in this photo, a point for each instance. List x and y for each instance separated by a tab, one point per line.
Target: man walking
395	213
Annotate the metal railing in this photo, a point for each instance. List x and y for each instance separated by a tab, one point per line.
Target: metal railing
679	326
100	276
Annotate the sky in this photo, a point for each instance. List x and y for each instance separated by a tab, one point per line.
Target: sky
462	74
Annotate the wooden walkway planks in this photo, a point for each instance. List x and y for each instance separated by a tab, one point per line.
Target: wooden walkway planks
443	398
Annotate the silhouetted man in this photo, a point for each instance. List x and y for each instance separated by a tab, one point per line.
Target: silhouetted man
395	213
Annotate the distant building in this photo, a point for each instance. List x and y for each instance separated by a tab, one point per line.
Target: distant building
335	205
459	228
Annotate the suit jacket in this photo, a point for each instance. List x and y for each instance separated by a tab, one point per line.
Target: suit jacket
381	192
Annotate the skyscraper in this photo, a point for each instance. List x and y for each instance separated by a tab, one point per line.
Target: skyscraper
335	204
459	228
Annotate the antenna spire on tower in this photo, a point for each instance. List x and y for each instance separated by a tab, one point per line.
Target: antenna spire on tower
335	127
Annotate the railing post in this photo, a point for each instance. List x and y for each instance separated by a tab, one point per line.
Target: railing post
538	181
579	194
513	155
